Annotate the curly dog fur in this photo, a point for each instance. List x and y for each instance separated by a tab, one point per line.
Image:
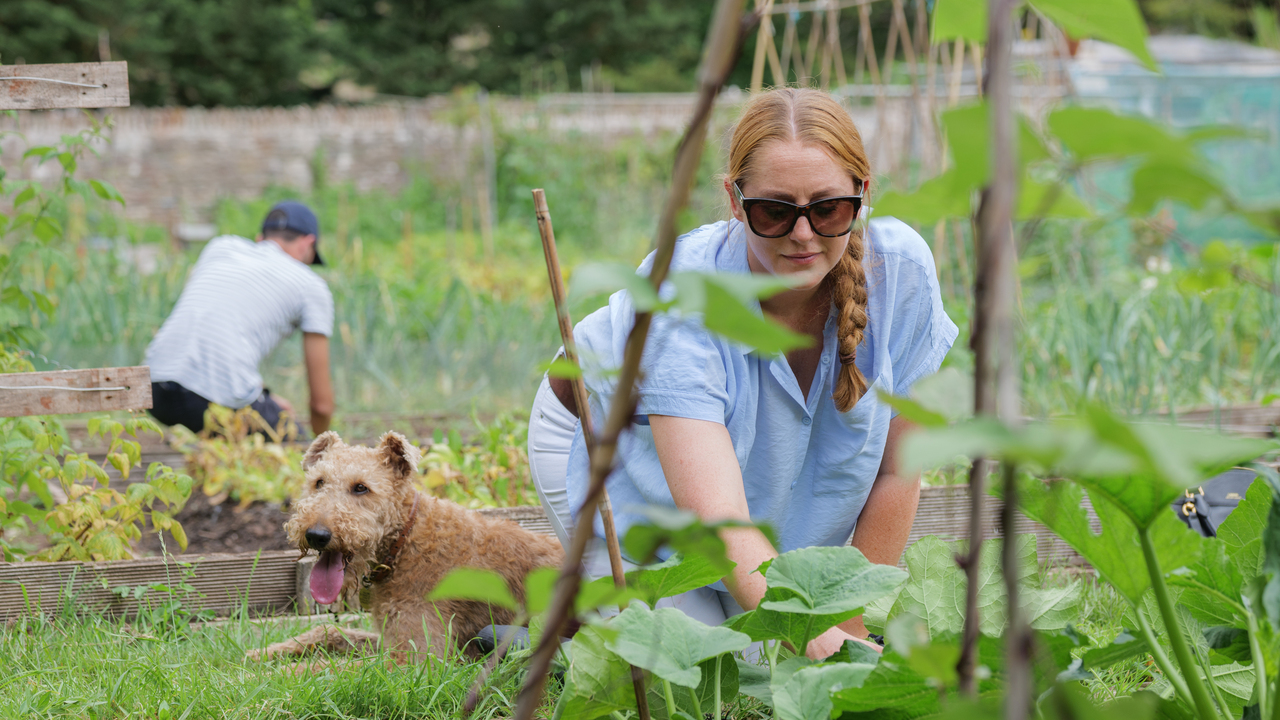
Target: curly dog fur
356	502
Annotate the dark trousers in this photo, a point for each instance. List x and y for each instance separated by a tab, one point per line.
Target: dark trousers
173	404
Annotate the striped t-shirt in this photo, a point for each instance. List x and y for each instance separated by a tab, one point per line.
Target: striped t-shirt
241	299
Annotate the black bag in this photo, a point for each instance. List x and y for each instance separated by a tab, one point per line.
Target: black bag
1204	508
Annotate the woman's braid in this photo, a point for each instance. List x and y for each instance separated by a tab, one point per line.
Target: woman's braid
849	294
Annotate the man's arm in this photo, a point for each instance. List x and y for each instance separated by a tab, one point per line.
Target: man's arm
886	519
315	351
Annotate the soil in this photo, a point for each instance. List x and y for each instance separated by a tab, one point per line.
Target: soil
223	528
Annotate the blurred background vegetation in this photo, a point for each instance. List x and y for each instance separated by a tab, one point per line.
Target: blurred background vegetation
285	52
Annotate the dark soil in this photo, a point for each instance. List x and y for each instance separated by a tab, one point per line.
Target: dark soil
222	528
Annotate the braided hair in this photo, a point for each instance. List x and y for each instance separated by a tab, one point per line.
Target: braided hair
815	118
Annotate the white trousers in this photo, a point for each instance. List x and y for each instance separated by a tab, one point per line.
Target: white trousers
551	431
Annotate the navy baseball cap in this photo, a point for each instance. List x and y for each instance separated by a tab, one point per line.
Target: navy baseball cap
295	216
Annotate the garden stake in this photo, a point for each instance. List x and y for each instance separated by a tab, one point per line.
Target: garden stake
548	234
724	42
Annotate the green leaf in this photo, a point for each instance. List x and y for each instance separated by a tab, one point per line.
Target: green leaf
47	229
1045	200
682	531
594	278
598	682
561	368
913	411
814	589
106	191
705	690
1211	588
1098	134
474	584
25	196
39	151
1241	533
1124	647
678	574
753	680
891	686
1116	21
1114	551
960	19
727	315
828	580
539	588
949	195
806	695
1229	642
1165	178
669	643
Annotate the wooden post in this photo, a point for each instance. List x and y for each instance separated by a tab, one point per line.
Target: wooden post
815	39
65	392
762	36
64	85
790	47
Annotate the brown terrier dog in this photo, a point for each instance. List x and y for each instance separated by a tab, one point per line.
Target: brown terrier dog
361	512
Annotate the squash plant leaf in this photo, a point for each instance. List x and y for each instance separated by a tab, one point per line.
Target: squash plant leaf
753	680
679	573
1241	533
598	682
806	695
1211	588
795	628
828	580
891	689
729	688
670	644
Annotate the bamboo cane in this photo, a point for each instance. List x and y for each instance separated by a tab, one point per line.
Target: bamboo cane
547	231
724	42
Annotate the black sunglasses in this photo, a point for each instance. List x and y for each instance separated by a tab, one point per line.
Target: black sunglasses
829	217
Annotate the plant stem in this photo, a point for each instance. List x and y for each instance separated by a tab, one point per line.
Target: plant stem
1259	666
1018	637
697	704
671	699
1199	693
1162	660
718	705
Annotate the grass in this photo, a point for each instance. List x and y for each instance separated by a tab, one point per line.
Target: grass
78	667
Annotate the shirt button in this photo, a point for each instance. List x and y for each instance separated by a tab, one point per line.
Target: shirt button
806	420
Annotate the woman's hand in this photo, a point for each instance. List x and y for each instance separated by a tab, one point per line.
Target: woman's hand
831	642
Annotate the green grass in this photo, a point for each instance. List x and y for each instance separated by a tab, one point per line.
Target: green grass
96	668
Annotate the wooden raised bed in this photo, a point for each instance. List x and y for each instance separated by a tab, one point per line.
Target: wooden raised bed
275	582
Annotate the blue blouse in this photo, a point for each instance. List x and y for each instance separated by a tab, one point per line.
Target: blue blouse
807	468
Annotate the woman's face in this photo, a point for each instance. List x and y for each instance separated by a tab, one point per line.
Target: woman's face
797	173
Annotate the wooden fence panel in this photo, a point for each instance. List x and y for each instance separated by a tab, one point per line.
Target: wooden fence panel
62	392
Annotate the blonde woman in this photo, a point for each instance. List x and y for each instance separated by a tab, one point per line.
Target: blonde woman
800	441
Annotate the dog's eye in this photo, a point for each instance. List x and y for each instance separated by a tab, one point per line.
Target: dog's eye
359	489
319	483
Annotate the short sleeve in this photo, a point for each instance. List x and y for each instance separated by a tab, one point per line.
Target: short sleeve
317	309
925	333
684	372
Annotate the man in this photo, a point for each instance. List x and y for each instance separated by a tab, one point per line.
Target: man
241	299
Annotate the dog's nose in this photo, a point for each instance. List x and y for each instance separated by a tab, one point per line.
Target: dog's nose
318	537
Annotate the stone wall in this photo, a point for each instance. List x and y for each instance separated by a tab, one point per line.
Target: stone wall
173	164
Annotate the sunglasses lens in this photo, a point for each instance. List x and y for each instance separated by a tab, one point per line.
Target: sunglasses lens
833	217
771	219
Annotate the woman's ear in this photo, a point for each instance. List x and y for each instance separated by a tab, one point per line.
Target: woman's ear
734	207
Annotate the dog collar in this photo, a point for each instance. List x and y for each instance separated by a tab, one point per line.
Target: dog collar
382	570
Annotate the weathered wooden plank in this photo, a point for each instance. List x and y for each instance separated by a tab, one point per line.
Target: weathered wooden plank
75	391
263	582
64	85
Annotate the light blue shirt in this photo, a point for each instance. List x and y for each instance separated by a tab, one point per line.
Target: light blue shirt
807	468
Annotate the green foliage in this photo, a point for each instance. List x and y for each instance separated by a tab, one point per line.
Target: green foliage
232	458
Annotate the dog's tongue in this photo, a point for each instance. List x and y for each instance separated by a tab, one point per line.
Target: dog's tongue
326	577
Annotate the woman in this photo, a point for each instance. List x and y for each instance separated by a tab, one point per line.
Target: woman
801	442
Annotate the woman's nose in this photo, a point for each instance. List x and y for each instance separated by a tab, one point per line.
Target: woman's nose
803	230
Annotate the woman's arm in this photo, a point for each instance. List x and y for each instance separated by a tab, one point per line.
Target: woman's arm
702	471
886	519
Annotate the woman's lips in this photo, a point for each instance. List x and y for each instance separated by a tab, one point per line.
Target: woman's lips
802	258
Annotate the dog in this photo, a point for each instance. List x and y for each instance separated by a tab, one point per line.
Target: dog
361	511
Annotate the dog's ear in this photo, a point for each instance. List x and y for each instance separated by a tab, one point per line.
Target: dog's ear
398	454
319	447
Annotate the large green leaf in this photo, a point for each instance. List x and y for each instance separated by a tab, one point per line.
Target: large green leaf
960	19
682	531
1268	595
892	689
1116	21
1241	533
1212	587
828	580
795	628
1124	647
1181	179
753	680
705	691
948	195
935	592
1114	551
806	695
598	682
593	278
1099	134
679	573
669	643
727	315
